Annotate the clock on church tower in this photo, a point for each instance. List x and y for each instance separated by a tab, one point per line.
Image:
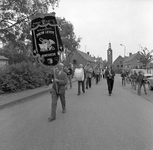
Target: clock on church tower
109	55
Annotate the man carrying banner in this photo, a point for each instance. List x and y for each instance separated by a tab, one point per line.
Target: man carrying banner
48	50
58	90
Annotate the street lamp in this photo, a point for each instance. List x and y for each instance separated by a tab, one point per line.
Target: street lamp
124	53
124	49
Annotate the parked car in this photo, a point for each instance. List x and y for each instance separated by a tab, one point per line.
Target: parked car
148	75
150	83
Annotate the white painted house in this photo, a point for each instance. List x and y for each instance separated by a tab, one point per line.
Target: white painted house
3	61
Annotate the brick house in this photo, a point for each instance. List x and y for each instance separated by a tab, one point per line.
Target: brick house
3	61
118	64
132	61
99	62
80	57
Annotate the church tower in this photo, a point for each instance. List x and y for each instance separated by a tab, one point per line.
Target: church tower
109	54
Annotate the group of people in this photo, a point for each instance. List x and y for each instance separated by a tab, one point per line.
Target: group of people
62	76
137	81
84	75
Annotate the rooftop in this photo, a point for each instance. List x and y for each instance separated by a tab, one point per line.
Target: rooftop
85	56
3	58
131	57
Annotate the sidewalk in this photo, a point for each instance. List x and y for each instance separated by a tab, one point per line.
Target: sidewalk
14	98
148	96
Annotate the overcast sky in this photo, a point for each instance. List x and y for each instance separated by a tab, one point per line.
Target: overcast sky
127	22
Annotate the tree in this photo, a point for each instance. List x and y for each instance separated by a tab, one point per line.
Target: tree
15	16
17	52
70	41
146	56
15	27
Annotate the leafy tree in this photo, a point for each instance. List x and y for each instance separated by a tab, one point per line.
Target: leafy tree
15	16
17	52
70	42
15	27
146	56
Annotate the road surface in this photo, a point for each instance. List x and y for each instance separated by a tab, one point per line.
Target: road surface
93	121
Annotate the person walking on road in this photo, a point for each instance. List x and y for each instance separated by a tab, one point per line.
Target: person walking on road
69	76
97	74
109	74
58	90
141	81
88	71
80	77
123	76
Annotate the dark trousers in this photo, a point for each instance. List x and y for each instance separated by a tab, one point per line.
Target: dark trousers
123	81
97	78
81	83
110	84
55	97
69	77
140	86
88	83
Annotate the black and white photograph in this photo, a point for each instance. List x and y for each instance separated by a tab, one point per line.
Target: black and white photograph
76	75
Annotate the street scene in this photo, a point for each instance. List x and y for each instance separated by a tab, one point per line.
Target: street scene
76	75
93	120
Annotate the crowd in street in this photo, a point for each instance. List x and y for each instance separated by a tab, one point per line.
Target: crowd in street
62	81
62	77
137	81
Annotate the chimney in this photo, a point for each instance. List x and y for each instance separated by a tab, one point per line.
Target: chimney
88	53
130	54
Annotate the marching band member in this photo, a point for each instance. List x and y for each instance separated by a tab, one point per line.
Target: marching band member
109	74
97	74
80	77
69	76
58	90
89	72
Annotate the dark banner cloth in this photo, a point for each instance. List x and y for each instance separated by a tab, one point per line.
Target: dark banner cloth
47	43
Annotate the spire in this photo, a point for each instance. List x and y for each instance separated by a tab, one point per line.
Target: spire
109	45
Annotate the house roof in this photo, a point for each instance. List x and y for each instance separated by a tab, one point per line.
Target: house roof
119	57
130	58
3	58
85	56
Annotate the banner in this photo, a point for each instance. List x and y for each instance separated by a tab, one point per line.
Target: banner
47	43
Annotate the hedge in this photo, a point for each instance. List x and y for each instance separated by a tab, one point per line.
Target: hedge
23	76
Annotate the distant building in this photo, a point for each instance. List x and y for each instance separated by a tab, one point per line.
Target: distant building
132	61
118	64
3	61
149	67
80	57
99	62
109	54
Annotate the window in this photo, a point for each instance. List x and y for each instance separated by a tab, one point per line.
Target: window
117	66
121	65
74	61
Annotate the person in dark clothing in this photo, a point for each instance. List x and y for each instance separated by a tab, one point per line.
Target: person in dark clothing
88	71
135	80
69	76
123	75
141	81
58	90
109	74
97	74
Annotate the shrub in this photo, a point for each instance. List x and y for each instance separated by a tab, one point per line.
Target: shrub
22	76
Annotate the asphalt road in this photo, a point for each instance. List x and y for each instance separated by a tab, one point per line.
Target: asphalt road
93	121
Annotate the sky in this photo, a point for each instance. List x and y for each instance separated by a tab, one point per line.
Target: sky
98	22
